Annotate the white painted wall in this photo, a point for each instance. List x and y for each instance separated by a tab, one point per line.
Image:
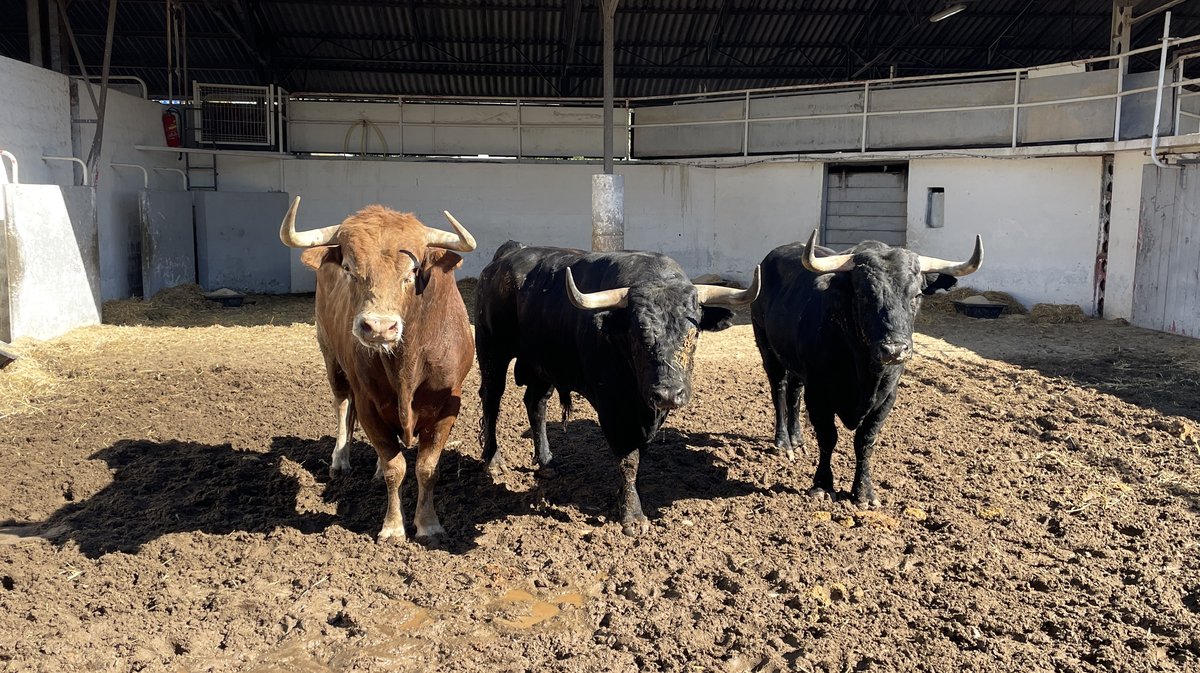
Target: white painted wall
35	120
1123	233
1039	219
711	220
129	120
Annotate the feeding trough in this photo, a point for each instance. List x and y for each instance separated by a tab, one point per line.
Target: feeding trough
228	298
979	306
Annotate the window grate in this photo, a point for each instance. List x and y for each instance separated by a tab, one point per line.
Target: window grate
234	115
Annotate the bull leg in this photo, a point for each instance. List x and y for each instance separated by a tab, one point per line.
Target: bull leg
493	375
339	462
863	491
537	394
391	460
795	388
633	521
777	377
343	406
429	452
826	431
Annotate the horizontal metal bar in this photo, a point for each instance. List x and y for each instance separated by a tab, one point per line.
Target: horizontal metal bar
175	170
134	78
12	159
145	175
82	166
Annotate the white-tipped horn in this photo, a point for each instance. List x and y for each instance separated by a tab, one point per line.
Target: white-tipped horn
715	295
603	299
304	239
462	241
935	265
830	264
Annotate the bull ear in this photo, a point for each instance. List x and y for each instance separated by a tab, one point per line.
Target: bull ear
436	260
313	258
715	318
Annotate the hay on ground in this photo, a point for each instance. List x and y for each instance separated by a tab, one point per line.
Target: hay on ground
940	306
1057	314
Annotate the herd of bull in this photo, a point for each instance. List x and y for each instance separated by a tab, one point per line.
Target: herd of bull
618	328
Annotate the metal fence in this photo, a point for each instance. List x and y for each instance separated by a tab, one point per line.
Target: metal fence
235	114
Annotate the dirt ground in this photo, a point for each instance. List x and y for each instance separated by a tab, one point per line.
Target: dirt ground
167	507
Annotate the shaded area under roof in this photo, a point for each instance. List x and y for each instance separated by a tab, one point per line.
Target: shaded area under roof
552	48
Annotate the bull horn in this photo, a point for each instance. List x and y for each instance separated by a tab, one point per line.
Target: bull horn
935	265
830	264
304	239
603	299
462	241
715	295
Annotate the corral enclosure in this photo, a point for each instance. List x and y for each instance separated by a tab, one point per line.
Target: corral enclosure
1040	485
168	504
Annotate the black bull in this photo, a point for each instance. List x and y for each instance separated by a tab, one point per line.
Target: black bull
837	328
623	338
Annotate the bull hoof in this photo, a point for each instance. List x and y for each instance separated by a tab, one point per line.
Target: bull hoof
393	534
819	493
546	472
636	528
865	500
340	465
496	466
791	455
428	532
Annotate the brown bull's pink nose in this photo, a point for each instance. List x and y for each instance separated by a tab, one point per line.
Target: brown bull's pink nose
377	326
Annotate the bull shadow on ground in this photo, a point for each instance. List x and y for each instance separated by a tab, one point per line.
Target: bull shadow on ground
675	466
160	488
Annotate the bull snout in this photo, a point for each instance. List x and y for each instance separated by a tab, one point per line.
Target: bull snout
894	352
378	328
666	398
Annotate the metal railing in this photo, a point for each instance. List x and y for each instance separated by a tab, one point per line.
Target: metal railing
866	91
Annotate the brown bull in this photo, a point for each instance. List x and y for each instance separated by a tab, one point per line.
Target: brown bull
397	344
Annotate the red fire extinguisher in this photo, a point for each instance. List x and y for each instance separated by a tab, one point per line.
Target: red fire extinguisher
170	121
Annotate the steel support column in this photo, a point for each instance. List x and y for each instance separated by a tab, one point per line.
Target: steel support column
608	190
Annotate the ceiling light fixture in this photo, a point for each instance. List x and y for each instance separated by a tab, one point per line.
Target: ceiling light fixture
947	12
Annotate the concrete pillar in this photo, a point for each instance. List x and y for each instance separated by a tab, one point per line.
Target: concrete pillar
608	212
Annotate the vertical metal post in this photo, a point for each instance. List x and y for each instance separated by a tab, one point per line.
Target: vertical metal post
33	21
1016	116
866	102
608	190
1162	72
746	126
608	9
520	134
401	123
1118	44
57	52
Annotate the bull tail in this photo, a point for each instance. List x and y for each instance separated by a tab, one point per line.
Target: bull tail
508	247
564	399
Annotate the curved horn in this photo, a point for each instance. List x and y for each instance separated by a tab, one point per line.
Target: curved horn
935	265
462	241
304	239
617	298
830	264
715	295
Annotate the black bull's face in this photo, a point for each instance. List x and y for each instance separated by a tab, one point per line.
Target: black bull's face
658	331
886	296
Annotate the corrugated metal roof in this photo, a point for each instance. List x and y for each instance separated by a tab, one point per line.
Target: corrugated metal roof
520	47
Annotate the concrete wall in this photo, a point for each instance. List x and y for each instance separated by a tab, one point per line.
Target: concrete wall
1039	219
129	121
711	220
35	120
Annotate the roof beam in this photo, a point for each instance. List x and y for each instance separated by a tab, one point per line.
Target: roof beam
569	29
